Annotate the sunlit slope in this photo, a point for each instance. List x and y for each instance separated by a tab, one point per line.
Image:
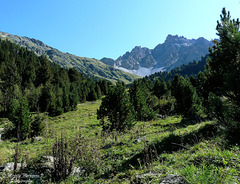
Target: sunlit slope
90	67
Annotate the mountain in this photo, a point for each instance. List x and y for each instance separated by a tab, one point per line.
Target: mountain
190	69
90	67
138	57
108	61
174	52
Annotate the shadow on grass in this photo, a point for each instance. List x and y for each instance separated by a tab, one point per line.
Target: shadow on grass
191	121
169	144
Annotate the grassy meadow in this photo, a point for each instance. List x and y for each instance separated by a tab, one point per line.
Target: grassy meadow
145	154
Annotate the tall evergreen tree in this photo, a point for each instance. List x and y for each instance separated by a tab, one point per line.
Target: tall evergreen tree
159	88
45	75
224	60
19	114
223	76
73	96
139	97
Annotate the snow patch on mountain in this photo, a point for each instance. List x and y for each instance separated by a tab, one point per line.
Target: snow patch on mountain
182	44
142	71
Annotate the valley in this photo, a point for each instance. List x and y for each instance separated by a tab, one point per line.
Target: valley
71	119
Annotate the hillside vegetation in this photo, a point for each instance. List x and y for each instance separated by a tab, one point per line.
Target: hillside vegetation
185	130
147	153
90	67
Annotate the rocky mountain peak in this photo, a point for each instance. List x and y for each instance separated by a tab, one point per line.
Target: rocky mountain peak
175	51
132	60
140	49
172	38
175	40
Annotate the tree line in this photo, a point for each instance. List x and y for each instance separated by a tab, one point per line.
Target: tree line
213	93
31	83
191	69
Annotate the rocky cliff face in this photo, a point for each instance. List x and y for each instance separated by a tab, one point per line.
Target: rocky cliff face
174	52
138	57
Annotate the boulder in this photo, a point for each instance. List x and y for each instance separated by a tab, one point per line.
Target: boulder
140	139
173	179
9	167
77	172
36	139
47	162
146	177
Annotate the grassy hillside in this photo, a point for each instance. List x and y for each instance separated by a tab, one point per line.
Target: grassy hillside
91	67
148	153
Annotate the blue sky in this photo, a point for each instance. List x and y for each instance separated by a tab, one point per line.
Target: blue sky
109	28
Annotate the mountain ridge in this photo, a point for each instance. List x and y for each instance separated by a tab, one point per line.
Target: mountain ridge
174	52
88	66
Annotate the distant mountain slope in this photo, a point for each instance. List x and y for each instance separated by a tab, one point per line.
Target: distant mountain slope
108	61
192	68
174	52
90	67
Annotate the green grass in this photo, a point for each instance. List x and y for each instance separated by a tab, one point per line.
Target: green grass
164	146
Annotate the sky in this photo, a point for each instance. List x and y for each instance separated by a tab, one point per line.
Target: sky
109	28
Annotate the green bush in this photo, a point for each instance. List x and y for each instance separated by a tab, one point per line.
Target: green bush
38	125
166	105
117	109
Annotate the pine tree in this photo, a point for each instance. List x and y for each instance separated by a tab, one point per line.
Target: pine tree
98	91
117	109
223	69
45	75
19	114
187	100
139	96
103	86
223	76
65	98
46	101
160	88
92	95
74	75
25	117
73	97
